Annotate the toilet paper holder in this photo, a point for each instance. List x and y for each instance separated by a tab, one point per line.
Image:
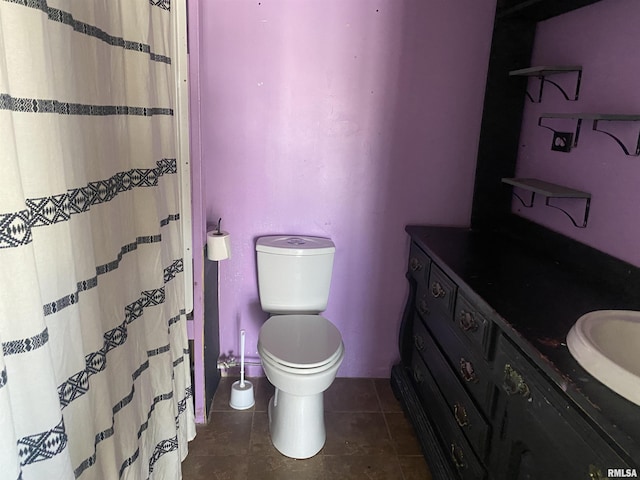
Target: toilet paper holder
218	244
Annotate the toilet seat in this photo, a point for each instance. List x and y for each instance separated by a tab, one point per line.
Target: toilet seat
267	358
301	344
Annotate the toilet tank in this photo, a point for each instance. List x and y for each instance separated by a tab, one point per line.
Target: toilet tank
294	273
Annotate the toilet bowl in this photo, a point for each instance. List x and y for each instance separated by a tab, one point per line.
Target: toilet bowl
300	356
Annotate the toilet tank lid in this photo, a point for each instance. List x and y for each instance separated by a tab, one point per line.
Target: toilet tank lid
295	245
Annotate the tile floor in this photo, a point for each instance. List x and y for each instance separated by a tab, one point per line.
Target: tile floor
368	437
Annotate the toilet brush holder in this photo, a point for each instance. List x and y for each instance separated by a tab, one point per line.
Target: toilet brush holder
242	391
242	395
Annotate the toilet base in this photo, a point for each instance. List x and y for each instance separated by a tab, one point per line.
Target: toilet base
296	424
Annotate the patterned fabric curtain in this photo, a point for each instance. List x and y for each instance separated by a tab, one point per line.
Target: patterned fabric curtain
94	368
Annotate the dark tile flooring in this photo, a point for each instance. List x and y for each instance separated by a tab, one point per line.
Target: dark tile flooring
368	437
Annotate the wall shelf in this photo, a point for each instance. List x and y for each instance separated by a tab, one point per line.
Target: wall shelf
543	72
564	141
549	191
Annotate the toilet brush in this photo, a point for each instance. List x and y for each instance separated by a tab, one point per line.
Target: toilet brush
241	391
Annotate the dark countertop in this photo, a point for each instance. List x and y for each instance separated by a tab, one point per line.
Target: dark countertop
535	300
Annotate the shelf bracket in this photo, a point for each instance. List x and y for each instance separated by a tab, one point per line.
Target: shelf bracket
548	204
563	141
586	212
618	141
543	79
525	204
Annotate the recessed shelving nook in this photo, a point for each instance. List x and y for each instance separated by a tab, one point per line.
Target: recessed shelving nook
564	141
549	191
543	72
485	377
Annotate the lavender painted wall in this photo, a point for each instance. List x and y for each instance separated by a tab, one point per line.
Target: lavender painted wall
603	38
339	118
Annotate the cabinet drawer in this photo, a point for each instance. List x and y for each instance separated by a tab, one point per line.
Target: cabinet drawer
514	373
423	303
452	441
442	290
470	368
472	324
549	425
459	405
419	264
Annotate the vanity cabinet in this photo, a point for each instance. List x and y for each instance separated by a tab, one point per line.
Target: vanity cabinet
485	375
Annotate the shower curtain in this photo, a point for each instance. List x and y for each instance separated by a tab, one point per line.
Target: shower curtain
94	368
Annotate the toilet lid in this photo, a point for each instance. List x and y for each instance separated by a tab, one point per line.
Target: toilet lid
303	341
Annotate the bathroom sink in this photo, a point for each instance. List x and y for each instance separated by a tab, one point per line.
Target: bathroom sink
607	344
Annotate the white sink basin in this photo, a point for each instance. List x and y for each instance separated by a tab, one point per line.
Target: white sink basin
607	344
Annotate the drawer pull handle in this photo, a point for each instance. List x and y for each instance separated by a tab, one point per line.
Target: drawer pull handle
415	265
467	371
461	414
513	383
418	341
423	307
595	473
437	291
457	455
467	321
418	376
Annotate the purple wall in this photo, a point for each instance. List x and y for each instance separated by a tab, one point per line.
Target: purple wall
603	38
345	119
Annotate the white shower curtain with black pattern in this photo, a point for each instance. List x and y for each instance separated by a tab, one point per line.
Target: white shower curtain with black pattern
94	368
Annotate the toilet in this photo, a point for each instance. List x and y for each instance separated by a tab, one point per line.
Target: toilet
299	349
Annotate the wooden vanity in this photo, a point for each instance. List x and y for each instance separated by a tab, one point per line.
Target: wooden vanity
485	373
